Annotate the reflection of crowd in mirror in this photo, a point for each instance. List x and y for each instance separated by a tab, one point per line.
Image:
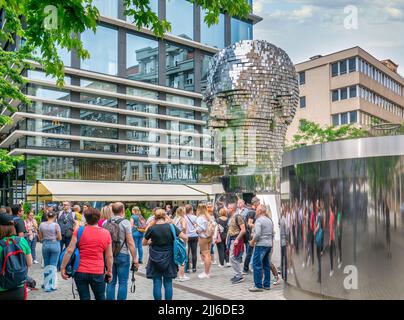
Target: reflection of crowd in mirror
304	226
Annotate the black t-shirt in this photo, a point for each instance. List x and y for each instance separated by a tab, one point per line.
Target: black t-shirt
19	225
161	235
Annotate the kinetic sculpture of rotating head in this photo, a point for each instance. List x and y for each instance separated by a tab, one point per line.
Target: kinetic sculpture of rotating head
252	94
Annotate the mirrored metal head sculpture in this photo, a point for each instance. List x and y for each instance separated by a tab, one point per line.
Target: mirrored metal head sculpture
252	94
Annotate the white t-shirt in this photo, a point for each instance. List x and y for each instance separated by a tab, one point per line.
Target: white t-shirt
202	226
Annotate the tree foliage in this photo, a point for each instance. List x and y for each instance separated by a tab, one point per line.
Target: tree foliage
26	19
312	133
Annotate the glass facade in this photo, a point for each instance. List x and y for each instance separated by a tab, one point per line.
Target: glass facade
47	92
48	109
214	35
98	85
98	100
107	8
98	116
98	132
48	143
241	30
103	59
142	122
180	13
205	65
46	126
180	67
141	107
142	55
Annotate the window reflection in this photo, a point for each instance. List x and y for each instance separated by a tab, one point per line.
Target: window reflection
179	67
98	85
141	93
241	30
180	14
141	58
143	150
40	75
107	8
142	122
213	35
141	107
39	125
103	58
98	100
143	136
48	109
98	132
47	92
180	113
98	116
179	99
154	6
98	146
205	64
48	142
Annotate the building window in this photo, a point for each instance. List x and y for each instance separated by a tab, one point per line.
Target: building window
98	132
142	55
342	67
153	4
344	118
107	8
181	15
302	78
180	113
48	142
334	69
142	93
352	64
148	173
142	122
205	65
179	67
352	92
353	117
98	100
47	126
141	107
214	35
240	30
335	95
335	119
48	109
103	59
302	102
98	116
98	85
47	92
344	93
98	146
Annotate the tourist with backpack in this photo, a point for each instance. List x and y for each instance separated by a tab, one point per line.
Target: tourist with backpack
235	242
248	215
19	224
67	220
50	236
95	252
122	245
15	259
162	267
205	230
222	222
138	223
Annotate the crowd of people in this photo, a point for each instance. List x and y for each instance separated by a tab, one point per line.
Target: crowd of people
109	245
303	229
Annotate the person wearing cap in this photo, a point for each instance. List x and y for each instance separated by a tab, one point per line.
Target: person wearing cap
50	235
7	231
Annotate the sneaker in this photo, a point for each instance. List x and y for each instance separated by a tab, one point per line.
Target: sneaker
228	265
339	265
193	270
237	280
276	281
183	279
220	266
303	265
36	262
331	273
203	275
255	289
202	263
267	288
214	262
234	278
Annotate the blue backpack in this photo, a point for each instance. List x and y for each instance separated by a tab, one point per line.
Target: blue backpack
319	234
180	251
73	264
13	264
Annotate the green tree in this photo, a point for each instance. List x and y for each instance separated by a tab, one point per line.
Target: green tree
312	133
47	25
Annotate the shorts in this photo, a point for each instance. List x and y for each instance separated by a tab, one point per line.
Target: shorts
205	244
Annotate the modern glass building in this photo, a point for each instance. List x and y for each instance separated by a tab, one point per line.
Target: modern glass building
132	112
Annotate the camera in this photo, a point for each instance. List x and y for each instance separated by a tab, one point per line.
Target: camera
133	268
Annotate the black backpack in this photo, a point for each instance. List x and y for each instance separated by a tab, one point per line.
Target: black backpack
14	269
113	227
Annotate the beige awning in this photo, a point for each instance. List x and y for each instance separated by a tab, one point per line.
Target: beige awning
52	190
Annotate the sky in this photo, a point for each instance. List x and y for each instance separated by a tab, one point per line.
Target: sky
305	28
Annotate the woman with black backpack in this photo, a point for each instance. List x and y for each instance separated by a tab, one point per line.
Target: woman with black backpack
15	256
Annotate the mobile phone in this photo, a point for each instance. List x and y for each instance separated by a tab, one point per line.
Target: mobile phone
107	277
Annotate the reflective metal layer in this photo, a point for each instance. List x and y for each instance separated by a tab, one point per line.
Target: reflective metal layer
361	203
252	95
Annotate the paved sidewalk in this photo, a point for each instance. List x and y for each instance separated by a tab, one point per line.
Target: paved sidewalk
217	287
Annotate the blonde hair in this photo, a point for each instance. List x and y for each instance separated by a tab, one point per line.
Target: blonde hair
160	214
180	212
106	213
202	210
136	209
223	212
